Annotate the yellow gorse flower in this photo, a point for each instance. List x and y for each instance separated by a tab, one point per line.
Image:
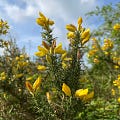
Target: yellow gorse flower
81	93
52	50
59	50
66	89
85	39
42	51
118	77
17	58
91	53
44	21
80	21
71	28
2	76
88	97
29	87
40	21
41	68
42	16
116	26
29	78
22	64
116	66
48	97
96	60
118	100
37	83
113	92
71	35
108	44
35	86
79	24
63	56
85	34
64	65
3	27
117	82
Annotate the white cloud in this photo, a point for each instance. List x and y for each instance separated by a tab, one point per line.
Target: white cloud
17	14
65	10
87	1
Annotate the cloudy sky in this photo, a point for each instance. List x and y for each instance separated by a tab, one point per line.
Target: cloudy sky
21	16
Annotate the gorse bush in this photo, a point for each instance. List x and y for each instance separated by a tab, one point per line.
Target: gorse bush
60	72
56	86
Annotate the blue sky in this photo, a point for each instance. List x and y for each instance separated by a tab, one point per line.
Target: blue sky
21	16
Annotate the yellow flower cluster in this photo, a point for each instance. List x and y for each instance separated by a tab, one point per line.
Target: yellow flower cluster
113	92
41	68
48	51
93	52
44	21
21	61
3	27
81	93
65	60
94	49
19	64
73	30
108	44
117	82
2	76
116	26
98	50
43	51
116	59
